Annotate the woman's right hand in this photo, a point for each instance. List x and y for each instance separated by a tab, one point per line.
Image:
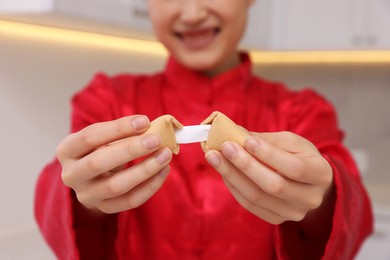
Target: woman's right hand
93	161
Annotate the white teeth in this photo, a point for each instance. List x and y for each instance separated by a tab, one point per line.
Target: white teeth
198	37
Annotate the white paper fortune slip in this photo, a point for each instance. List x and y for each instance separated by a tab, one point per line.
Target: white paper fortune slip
192	134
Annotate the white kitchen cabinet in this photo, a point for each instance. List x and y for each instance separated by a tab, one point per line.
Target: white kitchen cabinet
314	24
379	27
273	24
117	17
321	25
10	6
262	26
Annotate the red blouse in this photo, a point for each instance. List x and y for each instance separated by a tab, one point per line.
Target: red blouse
194	216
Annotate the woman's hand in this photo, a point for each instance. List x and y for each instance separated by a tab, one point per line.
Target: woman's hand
93	161
276	176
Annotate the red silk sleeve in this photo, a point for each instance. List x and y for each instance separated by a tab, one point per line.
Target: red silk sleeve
53	212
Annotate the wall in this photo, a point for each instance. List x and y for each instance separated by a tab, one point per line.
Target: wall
37	79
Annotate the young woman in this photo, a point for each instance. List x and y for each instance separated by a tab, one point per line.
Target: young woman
291	192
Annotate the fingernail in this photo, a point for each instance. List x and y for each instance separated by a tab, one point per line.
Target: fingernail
229	150
140	122
164	156
252	144
213	159
151	141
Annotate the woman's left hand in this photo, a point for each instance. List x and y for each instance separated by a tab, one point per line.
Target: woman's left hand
276	176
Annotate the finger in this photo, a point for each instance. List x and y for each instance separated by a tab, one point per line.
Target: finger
233	177
263	213
241	174
122	182
137	196
293	166
252	198
265	178
92	137
287	141
110	157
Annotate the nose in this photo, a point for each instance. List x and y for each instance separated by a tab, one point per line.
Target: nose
193	11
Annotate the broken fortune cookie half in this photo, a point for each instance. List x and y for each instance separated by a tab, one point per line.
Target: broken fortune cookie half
223	129
164	126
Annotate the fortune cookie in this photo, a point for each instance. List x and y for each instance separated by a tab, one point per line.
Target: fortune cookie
164	126
222	129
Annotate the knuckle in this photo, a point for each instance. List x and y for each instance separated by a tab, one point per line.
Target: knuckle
276	187
60	152
85	197
328	178
153	187
276	220
327	174
272	218
82	197
108	211
287	135
245	164
314	202
106	208
246	205
67	178
114	187
61	149
122	127
292	136
254	197
297	215
131	148
94	164
297	167
132	202
226	175
267	155
88	136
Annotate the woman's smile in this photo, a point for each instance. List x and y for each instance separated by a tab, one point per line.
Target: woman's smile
198	38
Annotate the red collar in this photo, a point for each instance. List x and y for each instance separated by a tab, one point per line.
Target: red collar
180	76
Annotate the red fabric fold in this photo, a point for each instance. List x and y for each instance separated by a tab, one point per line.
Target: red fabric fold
53	212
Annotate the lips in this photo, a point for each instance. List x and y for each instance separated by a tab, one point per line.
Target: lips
198	39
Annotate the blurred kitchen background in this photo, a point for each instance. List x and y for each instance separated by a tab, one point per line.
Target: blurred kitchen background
49	49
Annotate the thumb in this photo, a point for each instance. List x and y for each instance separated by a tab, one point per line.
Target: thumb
285	140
